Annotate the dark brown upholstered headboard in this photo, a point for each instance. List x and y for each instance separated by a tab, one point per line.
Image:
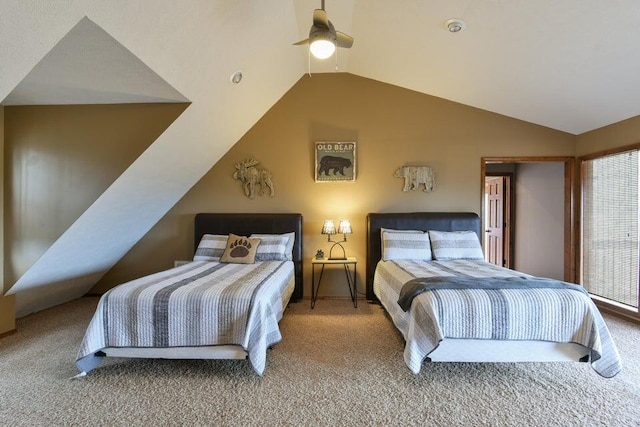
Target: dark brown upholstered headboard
244	224
441	221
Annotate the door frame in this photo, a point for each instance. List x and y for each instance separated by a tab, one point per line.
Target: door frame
569	202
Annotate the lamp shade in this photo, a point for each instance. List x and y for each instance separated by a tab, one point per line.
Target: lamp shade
344	227
328	227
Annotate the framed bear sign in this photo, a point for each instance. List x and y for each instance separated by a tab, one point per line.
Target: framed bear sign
335	161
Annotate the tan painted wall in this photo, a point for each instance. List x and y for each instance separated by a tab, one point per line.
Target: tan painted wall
7	314
619	134
59	159
7	304
392	127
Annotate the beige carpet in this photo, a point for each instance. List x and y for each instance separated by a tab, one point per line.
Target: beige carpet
335	366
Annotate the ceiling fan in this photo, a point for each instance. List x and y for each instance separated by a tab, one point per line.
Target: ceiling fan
323	37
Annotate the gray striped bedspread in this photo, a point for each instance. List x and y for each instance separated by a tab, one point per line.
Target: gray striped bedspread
198	304
554	315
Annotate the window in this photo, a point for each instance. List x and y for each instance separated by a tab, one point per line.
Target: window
609	245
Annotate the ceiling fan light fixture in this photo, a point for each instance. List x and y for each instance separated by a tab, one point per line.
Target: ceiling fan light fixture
322	48
455	25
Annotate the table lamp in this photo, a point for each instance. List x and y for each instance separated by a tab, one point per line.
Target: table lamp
344	228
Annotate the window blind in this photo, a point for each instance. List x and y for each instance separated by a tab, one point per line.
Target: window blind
610	227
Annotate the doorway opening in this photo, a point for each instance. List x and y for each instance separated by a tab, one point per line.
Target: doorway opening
525	232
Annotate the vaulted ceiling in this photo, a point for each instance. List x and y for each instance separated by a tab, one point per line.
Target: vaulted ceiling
570	65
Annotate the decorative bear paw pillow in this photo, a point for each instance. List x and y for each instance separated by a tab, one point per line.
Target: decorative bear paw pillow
240	250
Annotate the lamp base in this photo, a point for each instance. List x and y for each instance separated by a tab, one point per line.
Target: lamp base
334	258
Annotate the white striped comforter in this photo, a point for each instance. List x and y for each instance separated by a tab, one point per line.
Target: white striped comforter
555	315
198	304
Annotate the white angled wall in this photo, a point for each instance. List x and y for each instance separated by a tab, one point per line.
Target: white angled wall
192	46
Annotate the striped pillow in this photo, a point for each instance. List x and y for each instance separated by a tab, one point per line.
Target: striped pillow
405	245
447	245
393	230
272	247
210	248
291	239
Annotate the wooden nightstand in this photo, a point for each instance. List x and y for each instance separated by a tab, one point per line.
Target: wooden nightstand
351	277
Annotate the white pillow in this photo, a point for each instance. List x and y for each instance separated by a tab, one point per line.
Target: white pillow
271	248
211	247
291	239
405	244
448	245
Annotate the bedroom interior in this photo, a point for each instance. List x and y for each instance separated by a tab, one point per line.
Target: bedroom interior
101	184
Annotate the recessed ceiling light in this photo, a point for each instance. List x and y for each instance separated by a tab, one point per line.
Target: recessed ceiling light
236	77
455	25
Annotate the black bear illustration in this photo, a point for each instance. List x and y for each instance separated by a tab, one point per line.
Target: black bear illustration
337	164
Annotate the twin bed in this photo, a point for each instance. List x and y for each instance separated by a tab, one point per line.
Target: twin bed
206	309
460	308
426	269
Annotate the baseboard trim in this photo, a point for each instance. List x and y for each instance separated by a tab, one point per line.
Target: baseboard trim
6	334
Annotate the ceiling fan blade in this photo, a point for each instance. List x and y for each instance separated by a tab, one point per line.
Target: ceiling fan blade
301	42
343	40
320	19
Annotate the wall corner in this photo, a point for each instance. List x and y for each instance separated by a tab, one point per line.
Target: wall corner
7	303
